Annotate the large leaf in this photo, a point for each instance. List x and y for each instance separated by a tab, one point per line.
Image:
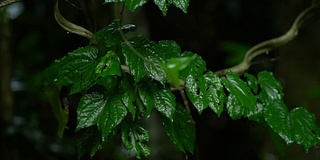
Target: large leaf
89	109
75	68
240	90
134	137
206	91
112	115
297	126
181	130
154	95
277	117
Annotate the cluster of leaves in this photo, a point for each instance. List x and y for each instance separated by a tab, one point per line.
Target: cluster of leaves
123	81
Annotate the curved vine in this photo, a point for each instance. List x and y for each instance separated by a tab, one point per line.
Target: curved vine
68	26
271	44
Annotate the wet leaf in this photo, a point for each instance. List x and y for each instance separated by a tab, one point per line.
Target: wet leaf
112	114
206	91
89	110
181	129
240	90
75	68
156	96
135	137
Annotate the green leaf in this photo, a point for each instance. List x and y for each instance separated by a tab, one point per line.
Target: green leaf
135	63
91	141
196	68
271	89
113	113
303	123
182	4
75	68
277	117
154	55
173	67
240	90
89	109
206	91
128	100
134	137
109	82
164	4
110	35
235	108
153	95
181	130
109	65
252	82
297	126
133	4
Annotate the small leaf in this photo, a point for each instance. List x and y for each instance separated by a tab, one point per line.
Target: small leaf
181	130
175	65
240	90
113	113
109	65
155	96
271	88
89	109
134	137
252	82
128	100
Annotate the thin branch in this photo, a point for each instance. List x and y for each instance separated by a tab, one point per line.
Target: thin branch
7	2
271	44
68	26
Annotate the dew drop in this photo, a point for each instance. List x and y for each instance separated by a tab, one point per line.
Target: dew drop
68	32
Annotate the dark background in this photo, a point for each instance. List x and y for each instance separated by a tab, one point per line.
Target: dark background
218	30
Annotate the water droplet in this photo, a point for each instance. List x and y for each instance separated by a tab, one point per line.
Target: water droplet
267	52
68	32
55	80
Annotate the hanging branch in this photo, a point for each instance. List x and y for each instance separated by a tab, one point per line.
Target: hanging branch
271	44
7	2
68	26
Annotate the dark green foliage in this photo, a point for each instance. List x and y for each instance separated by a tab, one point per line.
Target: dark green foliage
135	77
